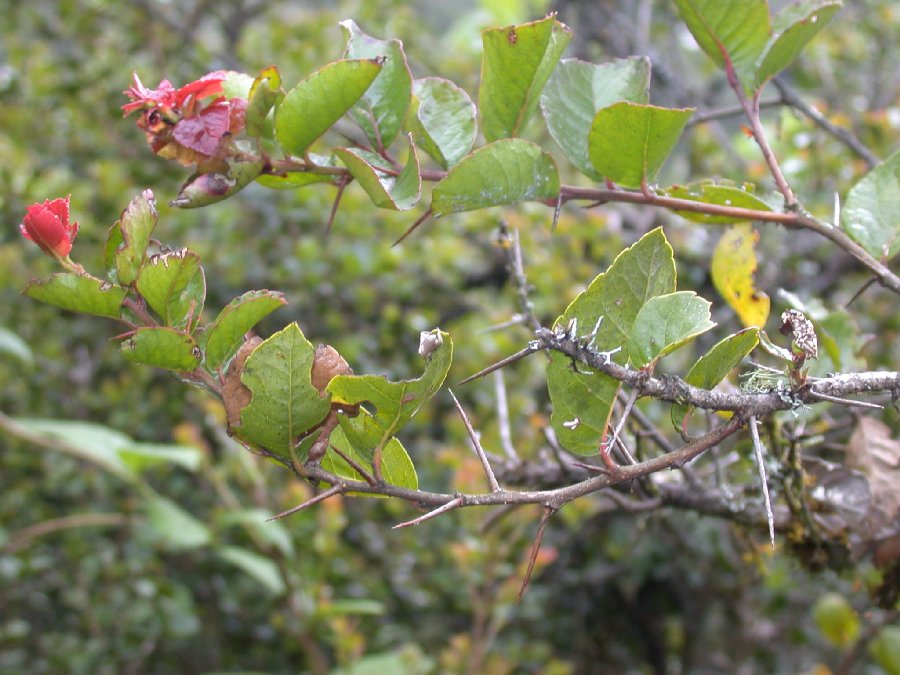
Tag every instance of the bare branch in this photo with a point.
(503, 417)
(502, 363)
(845, 136)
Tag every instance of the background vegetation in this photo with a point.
(90, 582)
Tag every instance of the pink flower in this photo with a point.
(48, 226)
(177, 125)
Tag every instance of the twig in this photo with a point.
(535, 549)
(751, 109)
(758, 452)
(22, 538)
(729, 111)
(321, 497)
(516, 267)
(449, 506)
(845, 136)
(485, 464)
(629, 404)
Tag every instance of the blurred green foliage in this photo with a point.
(125, 588)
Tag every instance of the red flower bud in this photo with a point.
(48, 226)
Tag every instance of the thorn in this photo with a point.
(449, 506)
(331, 492)
(486, 465)
(556, 211)
(337, 200)
(535, 549)
(521, 354)
(416, 224)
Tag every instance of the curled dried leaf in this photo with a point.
(235, 395)
(795, 323)
(327, 364)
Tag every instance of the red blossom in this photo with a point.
(177, 125)
(48, 226)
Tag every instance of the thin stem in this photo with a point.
(503, 417)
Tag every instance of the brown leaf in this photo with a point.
(235, 395)
(873, 451)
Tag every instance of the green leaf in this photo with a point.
(836, 619)
(382, 109)
(265, 93)
(714, 366)
(78, 293)
(582, 402)
(721, 195)
(734, 29)
(517, 62)
(226, 334)
(502, 172)
(12, 345)
(136, 225)
(396, 466)
(871, 215)
(732, 270)
(140, 456)
(262, 569)
(173, 285)
(114, 240)
(792, 29)
(665, 323)
(173, 527)
(256, 519)
(399, 193)
(163, 348)
(90, 442)
(629, 142)
(442, 120)
(284, 402)
(395, 403)
(317, 102)
(578, 89)
(885, 649)
(209, 188)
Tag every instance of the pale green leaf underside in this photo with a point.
(665, 323)
(871, 214)
(503, 172)
(578, 89)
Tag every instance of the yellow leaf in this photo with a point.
(733, 267)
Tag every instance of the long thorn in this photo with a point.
(449, 506)
(485, 464)
(535, 549)
(502, 363)
(758, 452)
(354, 465)
(337, 200)
(321, 497)
(413, 227)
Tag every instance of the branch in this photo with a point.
(845, 136)
(675, 390)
